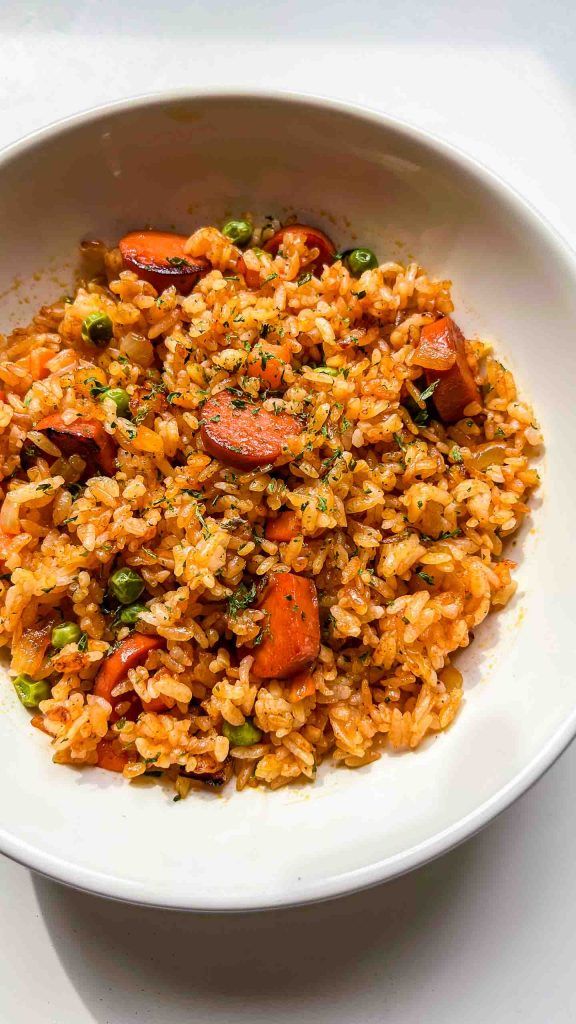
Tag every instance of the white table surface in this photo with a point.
(485, 933)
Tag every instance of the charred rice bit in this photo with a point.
(401, 521)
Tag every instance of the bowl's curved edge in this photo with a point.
(361, 878)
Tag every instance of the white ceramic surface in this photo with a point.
(185, 160)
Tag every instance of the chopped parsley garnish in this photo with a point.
(304, 278)
(177, 261)
(455, 454)
(426, 577)
(242, 598)
(429, 391)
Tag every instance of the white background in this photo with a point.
(485, 933)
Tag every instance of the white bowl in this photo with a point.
(191, 159)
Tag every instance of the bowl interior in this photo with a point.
(183, 162)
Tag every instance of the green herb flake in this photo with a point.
(429, 391)
(242, 598)
(426, 577)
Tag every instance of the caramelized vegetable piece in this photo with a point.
(292, 628)
(456, 387)
(84, 437)
(437, 346)
(315, 239)
(159, 258)
(111, 756)
(285, 527)
(301, 686)
(132, 652)
(29, 650)
(241, 433)
(493, 453)
(251, 274)
(268, 362)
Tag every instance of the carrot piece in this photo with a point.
(132, 652)
(292, 629)
(159, 257)
(154, 704)
(84, 437)
(285, 527)
(35, 362)
(315, 239)
(268, 362)
(38, 359)
(443, 355)
(251, 274)
(241, 433)
(301, 686)
(111, 756)
(437, 346)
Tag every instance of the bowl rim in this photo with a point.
(113, 887)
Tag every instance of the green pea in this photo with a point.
(121, 399)
(360, 260)
(242, 735)
(97, 328)
(65, 633)
(31, 692)
(238, 231)
(131, 613)
(126, 585)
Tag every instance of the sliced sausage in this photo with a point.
(444, 358)
(292, 628)
(315, 239)
(242, 434)
(132, 652)
(159, 258)
(285, 527)
(84, 437)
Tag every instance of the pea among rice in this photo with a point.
(260, 498)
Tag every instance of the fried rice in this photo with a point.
(399, 519)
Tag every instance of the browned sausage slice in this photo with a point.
(241, 433)
(315, 239)
(84, 437)
(159, 258)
